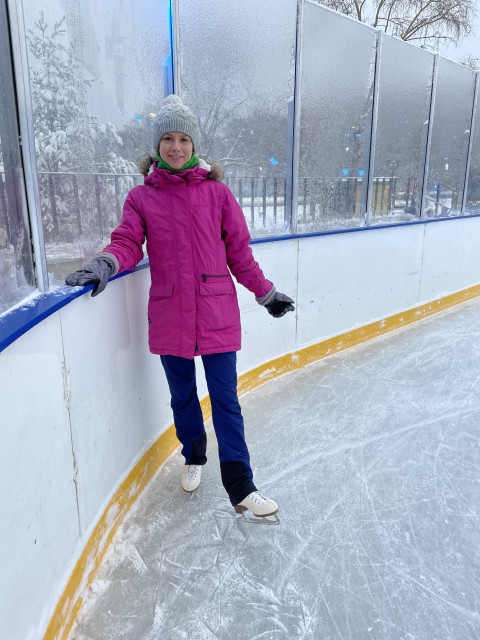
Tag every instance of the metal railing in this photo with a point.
(79, 204)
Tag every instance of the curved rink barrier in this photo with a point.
(86, 410)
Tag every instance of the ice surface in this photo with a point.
(373, 456)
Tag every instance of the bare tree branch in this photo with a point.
(427, 22)
(387, 23)
(416, 22)
(471, 62)
(379, 8)
(359, 10)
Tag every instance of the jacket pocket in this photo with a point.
(159, 291)
(160, 314)
(222, 286)
(217, 306)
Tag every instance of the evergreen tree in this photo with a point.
(69, 139)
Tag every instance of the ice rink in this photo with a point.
(373, 456)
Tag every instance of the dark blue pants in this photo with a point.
(221, 376)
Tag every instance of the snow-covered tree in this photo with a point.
(59, 91)
(68, 138)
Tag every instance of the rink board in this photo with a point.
(94, 423)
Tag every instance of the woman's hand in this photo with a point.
(96, 272)
(279, 305)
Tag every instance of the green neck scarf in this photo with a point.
(161, 164)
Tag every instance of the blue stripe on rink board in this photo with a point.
(23, 317)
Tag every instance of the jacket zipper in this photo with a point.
(205, 276)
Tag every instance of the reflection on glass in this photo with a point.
(240, 93)
(96, 77)
(404, 93)
(450, 138)
(336, 104)
(16, 264)
(472, 201)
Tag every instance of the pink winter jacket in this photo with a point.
(196, 236)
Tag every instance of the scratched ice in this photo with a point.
(373, 455)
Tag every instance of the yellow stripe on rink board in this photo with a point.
(87, 566)
(299, 359)
(130, 489)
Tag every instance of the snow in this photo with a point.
(29, 301)
(373, 455)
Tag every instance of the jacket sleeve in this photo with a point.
(128, 238)
(240, 258)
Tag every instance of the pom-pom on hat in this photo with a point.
(175, 116)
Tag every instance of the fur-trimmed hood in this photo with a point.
(215, 169)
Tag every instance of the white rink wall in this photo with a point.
(83, 399)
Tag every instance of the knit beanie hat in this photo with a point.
(175, 116)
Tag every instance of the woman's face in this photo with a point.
(175, 149)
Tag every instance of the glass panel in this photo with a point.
(96, 74)
(450, 135)
(240, 92)
(472, 204)
(338, 64)
(404, 93)
(16, 263)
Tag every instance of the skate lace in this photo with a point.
(192, 472)
(258, 498)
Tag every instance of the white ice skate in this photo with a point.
(261, 508)
(191, 476)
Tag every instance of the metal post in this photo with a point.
(429, 136)
(27, 134)
(99, 205)
(264, 200)
(353, 197)
(384, 200)
(77, 202)
(117, 198)
(167, 67)
(3, 203)
(175, 43)
(373, 130)
(293, 143)
(53, 204)
(275, 196)
(407, 197)
(312, 199)
(470, 141)
(252, 201)
(287, 205)
(305, 189)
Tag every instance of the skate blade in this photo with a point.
(258, 519)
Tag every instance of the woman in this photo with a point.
(196, 237)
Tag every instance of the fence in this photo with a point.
(82, 205)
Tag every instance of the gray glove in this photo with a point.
(96, 272)
(280, 305)
(277, 304)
